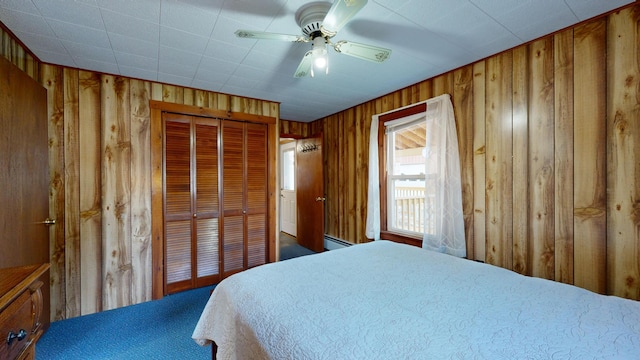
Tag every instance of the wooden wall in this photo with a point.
(549, 136)
(100, 163)
(100, 171)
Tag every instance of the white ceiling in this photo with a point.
(192, 43)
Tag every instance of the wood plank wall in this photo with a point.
(100, 156)
(100, 166)
(549, 136)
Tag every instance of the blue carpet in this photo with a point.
(293, 251)
(153, 330)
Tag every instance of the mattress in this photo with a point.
(383, 300)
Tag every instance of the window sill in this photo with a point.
(403, 239)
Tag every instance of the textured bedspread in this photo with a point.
(383, 300)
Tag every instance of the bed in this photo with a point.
(383, 300)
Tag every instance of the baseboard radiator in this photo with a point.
(333, 243)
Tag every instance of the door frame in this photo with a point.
(157, 217)
(286, 143)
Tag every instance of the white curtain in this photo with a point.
(373, 194)
(442, 140)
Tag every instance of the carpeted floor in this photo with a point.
(153, 330)
(290, 249)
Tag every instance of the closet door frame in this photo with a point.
(157, 218)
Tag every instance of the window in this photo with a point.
(404, 175)
(412, 147)
(406, 179)
(289, 168)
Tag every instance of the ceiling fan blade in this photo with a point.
(339, 14)
(362, 51)
(250, 34)
(305, 65)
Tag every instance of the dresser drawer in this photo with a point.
(19, 315)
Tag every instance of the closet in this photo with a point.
(215, 198)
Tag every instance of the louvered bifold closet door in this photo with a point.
(191, 202)
(256, 194)
(177, 205)
(207, 202)
(233, 164)
(245, 176)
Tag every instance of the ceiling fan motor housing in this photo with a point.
(310, 16)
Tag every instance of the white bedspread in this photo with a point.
(383, 300)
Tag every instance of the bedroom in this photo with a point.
(579, 235)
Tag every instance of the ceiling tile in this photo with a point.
(187, 18)
(213, 76)
(130, 26)
(137, 61)
(82, 50)
(138, 73)
(174, 79)
(19, 5)
(133, 46)
(182, 40)
(79, 34)
(41, 43)
(217, 66)
(95, 65)
(258, 14)
(178, 56)
(225, 51)
(23, 22)
(586, 9)
(79, 14)
(63, 59)
(145, 10)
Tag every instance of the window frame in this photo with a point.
(382, 166)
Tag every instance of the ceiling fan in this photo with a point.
(321, 21)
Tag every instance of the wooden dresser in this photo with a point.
(20, 311)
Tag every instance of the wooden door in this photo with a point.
(288, 209)
(24, 174)
(244, 179)
(191, 202)
(310, 193)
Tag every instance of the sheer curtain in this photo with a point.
(444, 162)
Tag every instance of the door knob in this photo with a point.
(49, 222)
(320, 198)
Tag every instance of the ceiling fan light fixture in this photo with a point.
(319, 22)
(320, 55)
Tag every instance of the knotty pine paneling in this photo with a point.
(564, 145)
(499, 160)
(548, 135)
(520, 158)
(590, 165)
(294, 129)
(623, 147)
(100, 170)
(13, 51)
(53, 80)
(90, 193)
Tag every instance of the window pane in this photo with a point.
(406, 182)
(288, 170)
(407, 208)
(409, 150)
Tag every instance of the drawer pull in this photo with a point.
(20, 335)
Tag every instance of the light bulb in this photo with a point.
(320, 62)
(320, 57)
